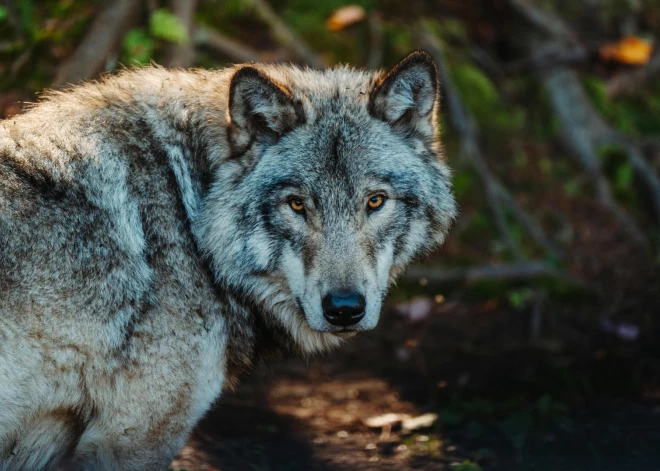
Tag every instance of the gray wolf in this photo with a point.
(162, 232)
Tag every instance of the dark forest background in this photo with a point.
(529, 342)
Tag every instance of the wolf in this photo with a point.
(162, 232)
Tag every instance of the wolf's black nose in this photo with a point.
(343, 308)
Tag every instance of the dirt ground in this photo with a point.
(574, 401)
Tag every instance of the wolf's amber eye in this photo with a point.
(296, 204)
(375, 202)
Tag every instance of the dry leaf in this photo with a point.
(416, 310)
(345, 16)
(630, 50)
(422, 421)
(385, 420)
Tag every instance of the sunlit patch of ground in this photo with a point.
(314, 418)
(577, 401)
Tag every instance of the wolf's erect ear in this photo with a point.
(407, 96)
(259, 109)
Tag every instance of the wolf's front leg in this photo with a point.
(113, 443)
(136, 437)
(144, 416)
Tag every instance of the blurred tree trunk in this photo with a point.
(182, 55)
(102, 39)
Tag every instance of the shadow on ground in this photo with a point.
(574, 402)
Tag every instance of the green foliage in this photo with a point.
(478, 92)
(235, 7)
(572, 186)
(477, 410)
(309, 23)
(164, 25)
(477, 227)
(448, 29)
(399, 40)
(467, 465)
(451, 416)
(520, 297)
(27, 16)
(454, 29)
(624, 177)
(517, 428)
(550, 411)
(516, 419)
(35, 37)
(520, 160)
(636, 114)
(619, 170)
(464, 184)
(482, 98)
(545, 165)
(475, 429)
(138, 47)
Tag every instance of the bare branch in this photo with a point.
(21, 62)
(102, 39)
(547, 57)
(583, 129)
(284, 35)
(500, 221)
(376, 41)
(497, 195)
(486, 63)
(544, 20)
(434, 276)
(627, 82)
(643, 169)
(220, 44)
(182, 55)
(536, 319)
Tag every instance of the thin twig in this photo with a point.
(536, 320)
(102, 38)
(548, 57)
(434, 276)
(283, 35)
(544, 20)
(493, 69)
(583, 129)
(643, 169)
(21, 62)
(626, 83)
(218, 43)
(580, 126)
(376, 41)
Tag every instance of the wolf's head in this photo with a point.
(334, 185)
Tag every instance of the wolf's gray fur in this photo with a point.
(149, 253)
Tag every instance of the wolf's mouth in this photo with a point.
(345, 333)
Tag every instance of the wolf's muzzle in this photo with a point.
(343, 308)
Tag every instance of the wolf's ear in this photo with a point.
(259, 109)
(407, 97)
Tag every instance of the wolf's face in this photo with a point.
(335, 186)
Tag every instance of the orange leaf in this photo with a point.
(345, 16)
(629, 50)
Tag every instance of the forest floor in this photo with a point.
(526, 374)
(569, 403)
(571, 383)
